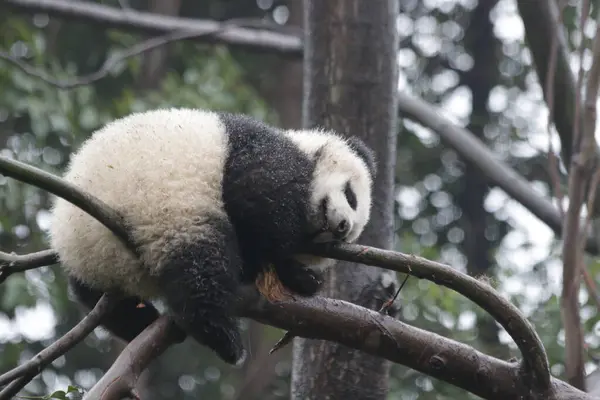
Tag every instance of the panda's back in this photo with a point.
(162, 170)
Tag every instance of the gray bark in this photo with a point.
(350, 85)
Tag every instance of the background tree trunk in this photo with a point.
(154, 63)
(350, 85)
(477, 246)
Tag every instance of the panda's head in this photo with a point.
(341, 187)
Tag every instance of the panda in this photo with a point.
(209, 199)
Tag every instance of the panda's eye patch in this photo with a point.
(350, 196)
(323, 207)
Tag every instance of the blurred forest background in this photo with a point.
(467, 56)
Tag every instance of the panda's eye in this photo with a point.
(350, 196)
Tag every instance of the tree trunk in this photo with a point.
(154, 62)
(350, 85)
(482, 45)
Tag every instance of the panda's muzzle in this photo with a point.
(332, 234)
(342, 229)
(334, 227)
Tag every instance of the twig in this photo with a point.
(257, 39)
(591, 286)
(24, 373)
(121, 378)
(284, 341)
(11, 263)
(385, 307)
(118, 57)
(483, 295)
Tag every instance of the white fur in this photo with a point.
(337, 164)
(160, 149)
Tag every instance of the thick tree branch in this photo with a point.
(477, 291)
(23, 374)
(386, 337)
(210, 31)
(483, 295)
(473, 150)
(121, 378)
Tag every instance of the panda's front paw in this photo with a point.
(299, 279)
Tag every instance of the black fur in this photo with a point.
(350, 196)
(298, 278)
(266, 191)
(364, 152)
(199, 281)
(126, 320)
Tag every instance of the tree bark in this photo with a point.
(350, 85)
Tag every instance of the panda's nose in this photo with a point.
(341, 231)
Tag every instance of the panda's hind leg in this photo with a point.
(199, 279)
(127, 319)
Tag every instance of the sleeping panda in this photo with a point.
(210, 198)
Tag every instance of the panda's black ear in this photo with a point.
(364, 152)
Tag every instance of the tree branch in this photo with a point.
(473, 150)
(503, 311)
(386, 337)
(121, 56)
(23, 374)
(11, 263)
(483, 295)
(59, 187)
(210, 31)
(121, 378)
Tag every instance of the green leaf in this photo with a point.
(59, 394)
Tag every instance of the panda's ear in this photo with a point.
(364, 152)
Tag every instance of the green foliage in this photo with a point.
(72, 393)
